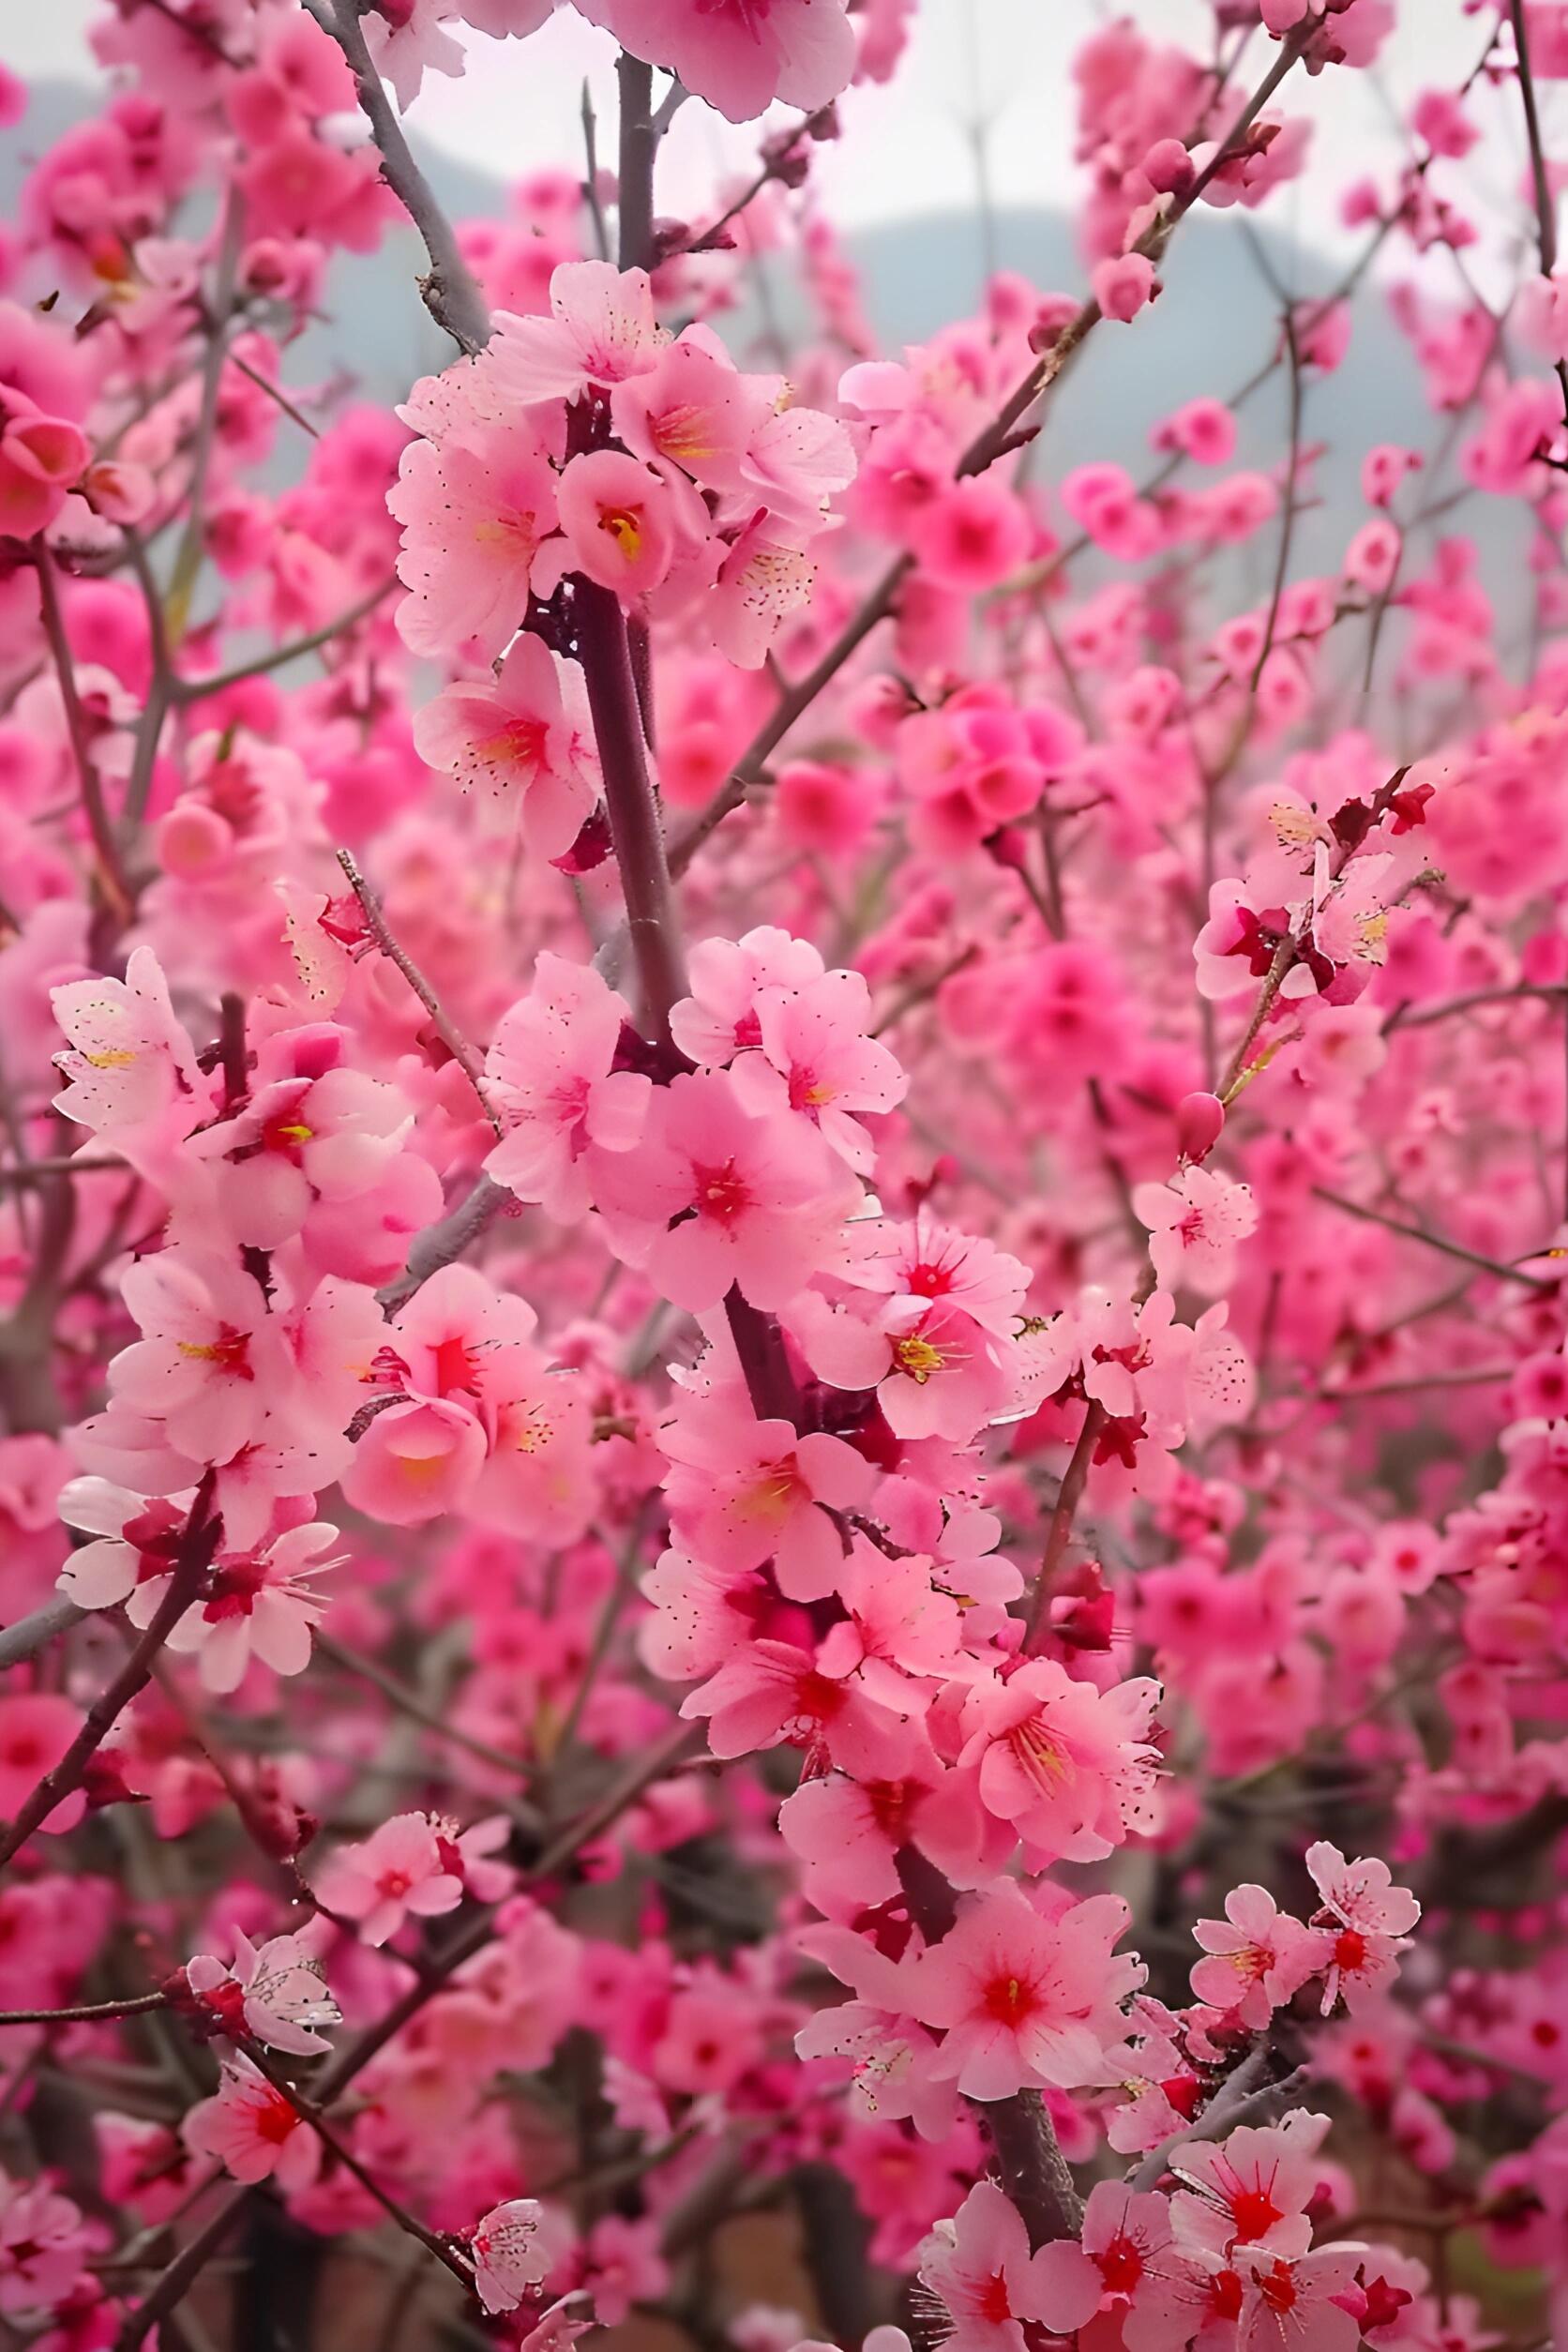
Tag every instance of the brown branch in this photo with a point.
(197, 1546)
(84, 2012)
(468, 1060)
(99, 825)
(1060, 1531)
(451, 292)
(198, 689)
(1497, 1266)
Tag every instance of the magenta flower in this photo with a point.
(1260, 1956)
(525, 740)
(739, 58)
(1024, 2000)
(399, 1869)
(712, 1198)
(253, 2131)
(1068, 1765)
(275, 1991)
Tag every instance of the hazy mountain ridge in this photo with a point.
(1211, 330)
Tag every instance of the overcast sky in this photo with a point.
(911, 148)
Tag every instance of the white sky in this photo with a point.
(910, 150)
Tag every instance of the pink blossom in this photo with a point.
(620, 521)
(814, 1059)
(43, 2246)
(130, 1067)
(802, 52)
(741, 1494)
(210, 1363)
(1195, 1224)
(1361, 1926)
(1250, 2189)
(980, 2266)
(515, 2248)
(277, 1991)
(1123, 284)
(476, 509)
(1068, 1766)
(253, 2130)
(1024, 2001)
(1260, 1956)
(1125, 2231)
(551, 1069)
(601, 332)
(402, 1868)
(1299, 2305)
(722, 1016)
(714, 1198)
(526, 737)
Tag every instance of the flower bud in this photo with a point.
(1199, 1121)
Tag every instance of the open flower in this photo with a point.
(253, 2130)
(277, 1991)
(402, 1868)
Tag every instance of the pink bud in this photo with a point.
(1168, 167)
(1124, 285)
(1199, 1123)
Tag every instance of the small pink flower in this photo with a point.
(1124, 2234)
(1123, 284)
(1360, 1928)
(980, 2266)
(1260, 1956)
(1250, 2189)
(130, 1067)
(1070, 1767)
(277, 1991)
(1024, 2001)
(601, 331)
(474, 508)
(253, 2131)
(400, 1868)
(43, 2246)
(515, 2248)
(527, 738)
(814, 1059)
(620, 521)
(1306, 2305)
(1196, 1223)
(712, 1198)
(211, 1363)
(551, 1069)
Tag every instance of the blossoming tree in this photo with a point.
(786, 1466)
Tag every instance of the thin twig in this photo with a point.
(196, 1548)
(451, 292)
(468, 1060)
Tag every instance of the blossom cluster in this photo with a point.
(783, 1347)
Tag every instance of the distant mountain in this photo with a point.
(1213, 328)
